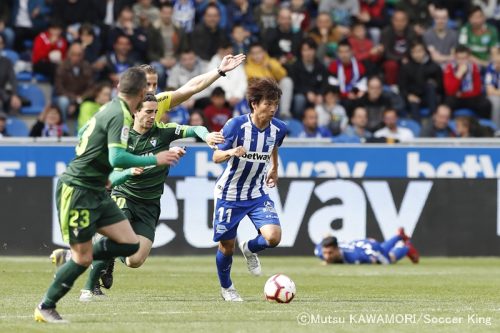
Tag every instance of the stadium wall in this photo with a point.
(447, 217)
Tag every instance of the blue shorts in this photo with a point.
(228, 215)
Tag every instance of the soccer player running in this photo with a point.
(251, 142)
(137, 191)
(83, 204)
(367, 251)
(165, 101)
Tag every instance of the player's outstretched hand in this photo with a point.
(214, 138)
(167, 157)
(179, 150)
(238, 151)
(272, 178)
(136, 171)
(230, 62)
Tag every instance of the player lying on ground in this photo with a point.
(367, 251)
(251, 141)
(83, 203)
(167, 100)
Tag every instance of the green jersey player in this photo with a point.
(137, 191)
(83, 204)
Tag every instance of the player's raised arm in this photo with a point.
(200, 82)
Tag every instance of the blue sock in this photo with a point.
(224, 269)
(257, 244)
(390, 243)
(399, 251)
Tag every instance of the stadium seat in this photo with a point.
(23, 76)
(488, 123)
(410, 124)
(295, 127)
(40, 77)
(16, 127)
(463, 113)
(12, 55)
(453, 125)
(344, 138)
(33, 93)
(425, 112)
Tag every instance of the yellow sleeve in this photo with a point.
(164, 99)
(277, 69)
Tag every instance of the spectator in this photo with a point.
(491, 9)
(310, 126)
(74, 78)
(184, 15)
(240, 12)
(330, 113)
(170, 38)
(396, 39)
(439, 127)
(235, 82)
(188, 67)
(440, 40)
(90, 43)
(265, 16)
(282, 42)
(420, 81)
(462, 84)
(105, 14)
(196, 119)
(326, 35)
(3, 125)
(49, 123)
(469, 127)
(98, 96)
(118, 61)
(362, 47)
(49, 50)
(309, 78)
(201, 6)
(372, 14)
(217, 113)
(301, 18)
(492, 83)
(391, 130)
(418, 14)
(207, 35)
(145, 10)
(376, 102)
(341, 11)
(261, 65)
(480, 37)
(241, 39)
(28, 19)
(9, 100)
(6, 31)
(359, 121)
(347, 73)
(125, 26)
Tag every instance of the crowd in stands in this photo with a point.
(350, 70)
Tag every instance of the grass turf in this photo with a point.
(182, 293)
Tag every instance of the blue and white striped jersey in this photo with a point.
(243, 178)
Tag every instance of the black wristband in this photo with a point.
(221, 73)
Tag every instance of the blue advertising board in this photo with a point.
(295, 162)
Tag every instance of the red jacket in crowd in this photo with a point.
(348, 84)
(453, 85)
(42, 47)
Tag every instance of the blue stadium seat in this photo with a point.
(24, 76)
(344, 138)
(488, 123)
(453, 126)
(40, 77)
(12, 55)
(33, 93)
(16, 127)
(410, 124)
(464, 113)
(425, 112)
(295, 127)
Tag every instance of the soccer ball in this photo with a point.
(279, 288)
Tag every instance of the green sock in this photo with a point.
(95, 273)
(105, 248)
(63, 281)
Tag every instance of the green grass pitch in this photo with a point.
(181, 294)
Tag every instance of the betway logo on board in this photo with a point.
(473, 166)
(293, 169)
